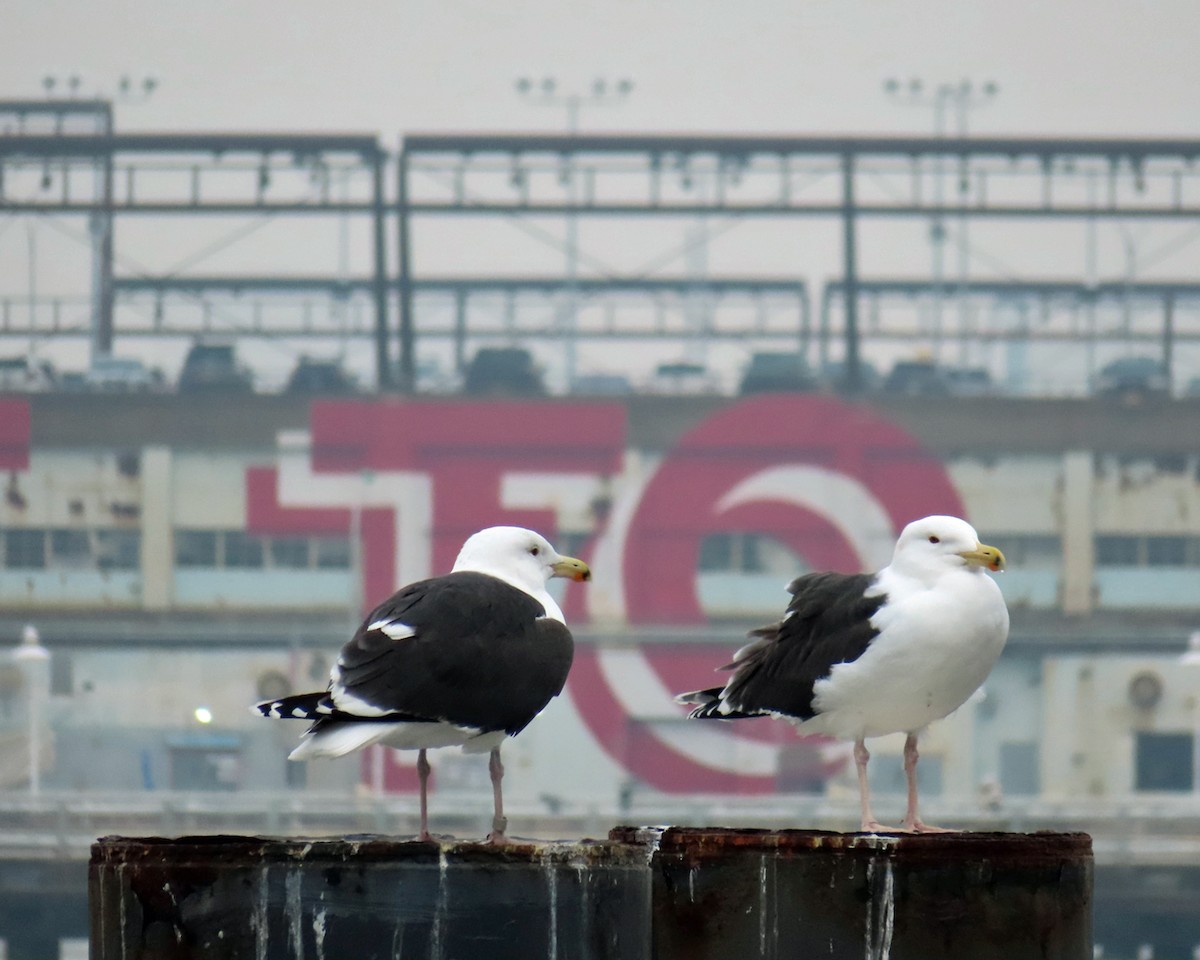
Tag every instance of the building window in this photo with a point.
(118, 549)
(1166, 551)
(887, 774)
(737, 552)
(195, 548)
(25, 549)
(716, 551)
(332, 553)
(238, 550)
(243, 550)
(1148, 551)
(290, 553)
(1163, 761)
(70, 548)
(1117, 551)
(1020, 768)
(1029, 551)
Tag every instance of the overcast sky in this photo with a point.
(1068, 66)
(1071, 67)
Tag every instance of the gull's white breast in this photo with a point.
(935, 647)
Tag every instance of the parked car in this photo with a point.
(917, 378)
(776, 373)
(324, 377)
(25, 375)
(682, 377)
(212, 367)
(121, 375)
(834, 374)
(1133, 380)
(509, 371)
(969, 381)
(602, 385)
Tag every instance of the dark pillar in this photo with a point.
(645, 894)
(379, 280)
(102, 252)
(408, 361)
(460, 331)
(1168, 341)
(853, 383)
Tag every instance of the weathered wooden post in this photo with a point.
(800, 893)
(643, 894)
(245, 897)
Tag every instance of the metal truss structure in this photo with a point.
(62, 158)
(106, 177)
(853, 181)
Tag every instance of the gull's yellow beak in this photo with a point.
(572, 569)
(984, 556)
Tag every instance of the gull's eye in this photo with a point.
(535, 550)
(934, 540)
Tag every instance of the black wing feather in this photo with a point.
(483, 654)
(828, 623)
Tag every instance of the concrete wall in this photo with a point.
(1072, 497)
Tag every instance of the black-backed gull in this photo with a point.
(864, 655)
(464, 659)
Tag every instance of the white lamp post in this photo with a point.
(33, 660)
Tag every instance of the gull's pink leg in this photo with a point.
(423, 774)
(912, 821)
(869, 823)
(499, 821)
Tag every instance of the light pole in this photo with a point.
(546, 93)
(101, 220)
(945, 99)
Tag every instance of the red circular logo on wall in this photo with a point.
(833, 481)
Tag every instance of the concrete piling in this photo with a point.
(642, 894)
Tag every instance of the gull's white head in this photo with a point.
(933, 545)
(520, 557)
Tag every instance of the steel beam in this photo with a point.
(408, 345)
(379, 282)
(853, 382)
(1133, 148)
(338, 286)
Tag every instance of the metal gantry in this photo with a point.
(58, 159)
(180, 177)
(850, 181)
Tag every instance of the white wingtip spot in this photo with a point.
(347, 702)
(394, 629)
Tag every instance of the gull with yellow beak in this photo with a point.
(865, 655)
(466, 659)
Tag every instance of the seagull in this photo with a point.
(466, 659)
(865, 655)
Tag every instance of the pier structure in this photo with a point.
(663, 893)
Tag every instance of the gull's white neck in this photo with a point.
(537, 589)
